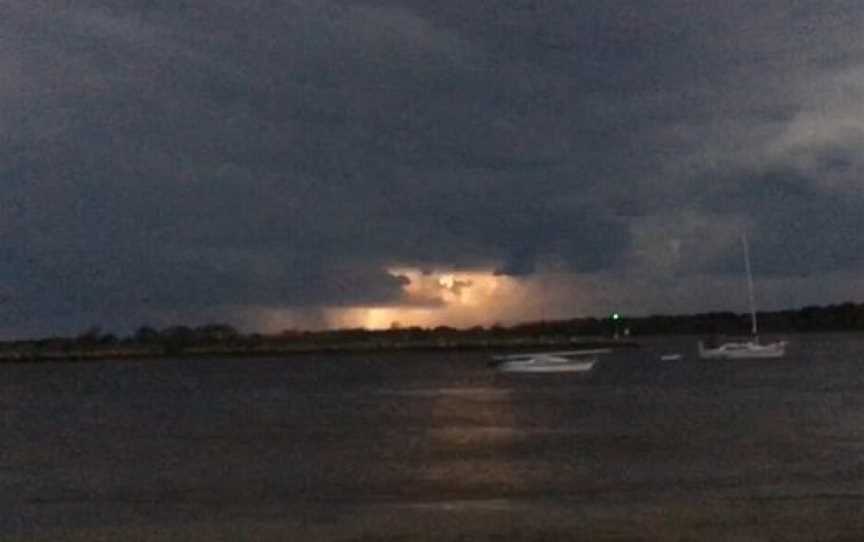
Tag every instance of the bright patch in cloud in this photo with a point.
(433, 298)
(462, 298)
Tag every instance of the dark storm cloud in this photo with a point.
(797, 228)
(198, 154)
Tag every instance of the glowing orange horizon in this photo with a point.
(444, 297)
(454, 298)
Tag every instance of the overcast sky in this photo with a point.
(301, 163)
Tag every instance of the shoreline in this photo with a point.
(36, 354)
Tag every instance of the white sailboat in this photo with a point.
(567, 361)
(748, 349)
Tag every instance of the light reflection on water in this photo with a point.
(349, 447)
(470, 434)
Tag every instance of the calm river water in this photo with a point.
(436, 446)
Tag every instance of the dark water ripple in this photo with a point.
(383, 447)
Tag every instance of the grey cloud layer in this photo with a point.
(198, 154)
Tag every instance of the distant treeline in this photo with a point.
(225, 339)
(842, 317)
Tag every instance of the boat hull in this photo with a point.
(744, 350)
(534, 366)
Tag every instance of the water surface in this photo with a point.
(435, 446)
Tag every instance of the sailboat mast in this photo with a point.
(754, 329)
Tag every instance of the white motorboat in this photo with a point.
(746, 349)
(569, 361)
